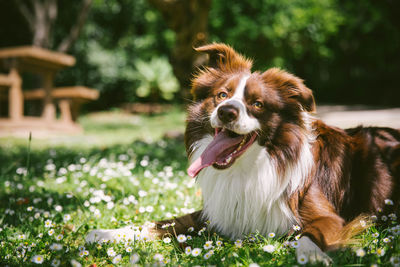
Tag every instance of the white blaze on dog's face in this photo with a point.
(232, 113)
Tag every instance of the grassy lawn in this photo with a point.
(122, 172)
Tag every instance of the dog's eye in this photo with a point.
(258, 105)
(222, 95)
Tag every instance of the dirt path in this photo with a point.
(351, 116)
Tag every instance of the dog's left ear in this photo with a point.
(225, 58)
(290, 87)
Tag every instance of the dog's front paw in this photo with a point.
(308, 250)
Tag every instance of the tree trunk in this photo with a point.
(189, 20)
(41, 15)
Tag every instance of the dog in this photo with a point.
(264, 163)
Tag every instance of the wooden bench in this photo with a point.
(69, 99)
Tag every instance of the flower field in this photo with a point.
(51, 196)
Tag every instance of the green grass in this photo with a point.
(122, 172)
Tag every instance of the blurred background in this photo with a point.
(140, 51)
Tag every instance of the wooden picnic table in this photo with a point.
(46, 64)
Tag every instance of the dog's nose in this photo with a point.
(228, 113)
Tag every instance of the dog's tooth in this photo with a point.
(229, 159)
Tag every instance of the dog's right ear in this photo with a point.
(225, 58)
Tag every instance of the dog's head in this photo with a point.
(239, 107)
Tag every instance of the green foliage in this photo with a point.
(155, 79)
(276, 33)
(345, 50)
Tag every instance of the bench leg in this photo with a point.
(49, 109)
(65, 109)
(16, 98)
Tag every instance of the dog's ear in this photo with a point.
(290, 87)
(225, 58)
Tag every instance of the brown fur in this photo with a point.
(354, 171)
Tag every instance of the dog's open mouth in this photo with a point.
(222, 152)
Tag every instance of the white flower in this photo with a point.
(158, 257)
(302, 259)
(384, 218)
(67, 217)
(38, 259)
(238, 243)
(58, 208)
(181, 238)
(128, 249)
(59, 237)
(48, 223)
(117, 259)
(55, 263)
(380, 252)
(75, 263)
(56, 246)
(208, 254)
(83, 253)
(296, 227)
(110, 205)
(190, 229)
(386, 240)
(395, 261)
(29, 208)
(188, 250)
(360, 252)
(196, 252)
(254, 265)
(134, 259)
(389, 202)
(111, 252)
(375, 235)
(142, 193)
(149, 209)
(294, 244)
(271, 235)
(218, 243)
(21, 236)
(167, 240)
(51, 232)
(208, 245)
(269, 248)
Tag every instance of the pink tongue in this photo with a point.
(210, 155)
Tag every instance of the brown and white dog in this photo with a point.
(265, 164)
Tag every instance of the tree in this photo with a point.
(189, 20)
(41, 16)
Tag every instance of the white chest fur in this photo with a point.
(250, 196)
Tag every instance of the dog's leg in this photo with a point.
(148, 231)
(322, 226)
